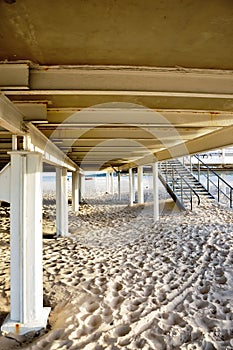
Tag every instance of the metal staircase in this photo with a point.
(181, 184)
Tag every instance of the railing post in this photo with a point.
(181, 189)
(191, 200)
(173, 180)
(231, 198)
(208, 180)
(218, 190)
(199, 170)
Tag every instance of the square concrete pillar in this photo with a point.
(61, 202)
(75, 191)
(26, 312)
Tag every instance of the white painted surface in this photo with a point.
(140, 185)
(131, 190)
(107, 182)
(119, 185)
(5, 183)
(26, 245)
(61, 202)
(75, 191)
(155, 191)
(112, 183)
(83, 185)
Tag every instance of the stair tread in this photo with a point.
(179, 171)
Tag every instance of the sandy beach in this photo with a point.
(121, 281)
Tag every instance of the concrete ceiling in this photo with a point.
(119, 83)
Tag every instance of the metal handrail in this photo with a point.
(209, 170)
(192, 191)
(175, 181)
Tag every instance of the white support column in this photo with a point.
(27, 312)
(112, 183)
(80, 189)
(131, 189)
(119, 185)
(223, 156)
(107, 182)
(155, 191)
(14, 142)
(140, 185)
(133, 184)
(61, 202)
(75, 191)
(82, 186)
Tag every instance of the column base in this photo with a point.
(10, 326)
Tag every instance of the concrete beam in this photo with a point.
(33, 112)
(51, 153)
(14, 76)
(141, 117)
(131, 78)
(126, 93)
(218, 139)
(10, 118)
(151, 99)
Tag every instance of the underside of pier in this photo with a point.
(102, 85)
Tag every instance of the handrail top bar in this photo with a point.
(226, 183)
(182, 177)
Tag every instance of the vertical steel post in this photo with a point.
(199, 170)
(181, 189)
(173, 180)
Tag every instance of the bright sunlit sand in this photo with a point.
(121, 281)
